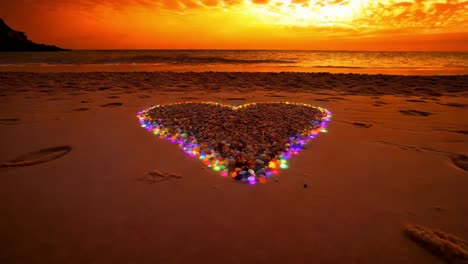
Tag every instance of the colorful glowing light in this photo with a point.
(216, 162)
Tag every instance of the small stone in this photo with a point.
(175, 175)
(259, 162)
(251, 172)
(260, 172)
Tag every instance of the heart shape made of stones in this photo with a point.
(250, 142)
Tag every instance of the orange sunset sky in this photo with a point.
(437, 25)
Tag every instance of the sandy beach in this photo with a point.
(395, 154)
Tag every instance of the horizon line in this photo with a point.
(314, 50)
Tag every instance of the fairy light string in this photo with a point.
(219, 163)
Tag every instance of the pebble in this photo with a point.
(260, 172)
(245, 141)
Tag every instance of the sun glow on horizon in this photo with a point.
(310, 13)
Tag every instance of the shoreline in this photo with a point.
(427, 71)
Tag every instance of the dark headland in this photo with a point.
(11, 40)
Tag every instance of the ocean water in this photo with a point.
(424, 63)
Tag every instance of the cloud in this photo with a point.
(357, 14)
(367, 15)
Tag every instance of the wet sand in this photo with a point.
(395, 154)
(231, 68)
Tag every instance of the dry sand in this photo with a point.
(395, 154)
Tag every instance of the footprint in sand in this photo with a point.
(321, 93)
(156, 176)
(37, 157)
(80, 109)
(415, 101)
(415, 113)
(460, 161)
(454, 131)
(9, 121)
(235, 99)
(336, 98)
(276, 95)
(112, 105)
(454, 105)
(379, 103)
(439, 243)
(360, 124)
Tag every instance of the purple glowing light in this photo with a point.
(188, 143)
